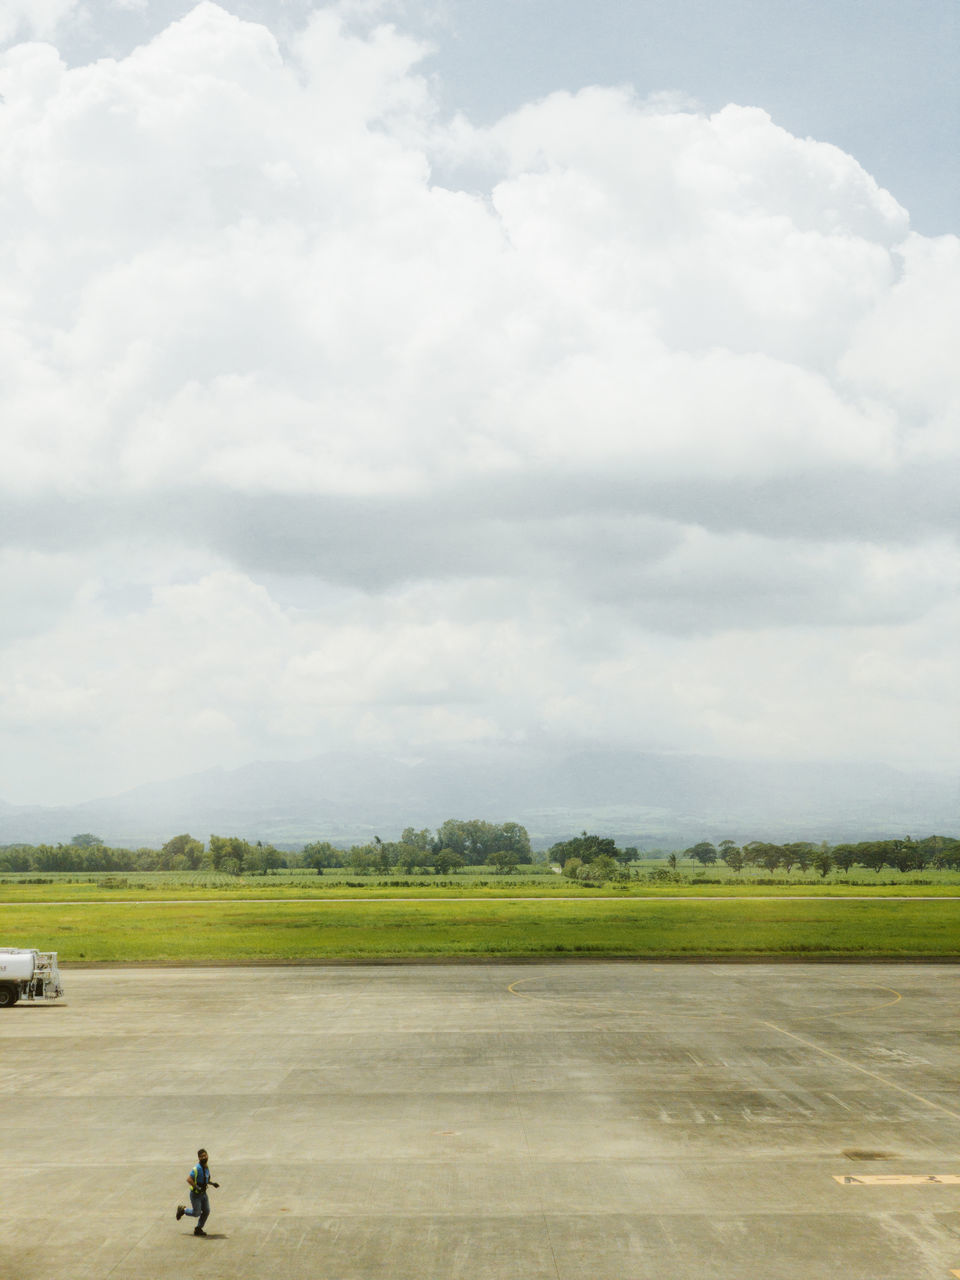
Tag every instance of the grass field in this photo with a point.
(234, 931)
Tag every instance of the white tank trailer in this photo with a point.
(28, 975)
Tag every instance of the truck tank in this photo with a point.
(16, 964)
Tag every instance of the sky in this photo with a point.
(405, 376)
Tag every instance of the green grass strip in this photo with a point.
(126, 933)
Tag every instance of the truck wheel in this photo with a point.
(8, 996)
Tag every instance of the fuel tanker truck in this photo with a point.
(28, 975)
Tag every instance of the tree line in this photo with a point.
(906, 854)
(591, 857)
(455, 844)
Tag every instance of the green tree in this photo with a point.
(474, 839)
(320, 854)
(452, 835)
(261, 859)
(382, 856)
(844, 856)
(585, 846)
(876, 854)
(86, 840)
(409, 858)
(446, 861)
(232, 848)
(362, 859)
(732, 855)
(799, 852)
(822, 860)
(772, 857)
(59, 858)
(601, 869)
(184, 847)
(761, 854)
(505, 861)
(704, 852)
(942, 851)
(254, 863)
(422, 840)
(514, 838)
(914, 855)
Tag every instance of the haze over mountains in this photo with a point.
(640, 798)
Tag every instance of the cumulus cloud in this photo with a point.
(644, 432)
(34, 19)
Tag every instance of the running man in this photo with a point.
(198, 1179)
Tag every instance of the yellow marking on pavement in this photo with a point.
(586, 1002)
(874, 1075)
(590, 1005)
(897, 1179)
(861, 1008)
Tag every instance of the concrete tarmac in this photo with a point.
(497, 1122)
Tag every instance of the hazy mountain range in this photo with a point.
(641, 798)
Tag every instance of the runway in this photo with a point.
(498, 1122)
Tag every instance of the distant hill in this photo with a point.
(640, 798)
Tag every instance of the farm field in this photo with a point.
(476, 882)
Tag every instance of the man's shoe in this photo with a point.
(181, 1210)
(199, 1231)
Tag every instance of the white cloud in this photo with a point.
(34, 19)
(669, 402)
(904, 350)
